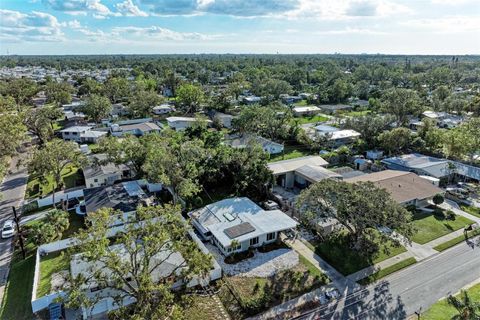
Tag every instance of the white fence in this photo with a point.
(60, 196)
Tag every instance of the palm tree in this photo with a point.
(466, 307)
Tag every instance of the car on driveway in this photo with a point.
(8, 229)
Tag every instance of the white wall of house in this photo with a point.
(179, 125)
(103, 180)
(71, 136)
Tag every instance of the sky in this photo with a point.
(239, 26)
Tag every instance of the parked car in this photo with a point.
(270, 205)
(332, 293)
(8, 229)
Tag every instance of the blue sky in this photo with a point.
(239, 26)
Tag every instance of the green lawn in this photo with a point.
(291, 152)
(430, 227)
(474, 211)
(50, 264)
(302, 103)
(16, 304)
(336, 251)
(354, 113)
(389, 270)
(71, 176)
(443, 311)
(446, 245)
(312, 119)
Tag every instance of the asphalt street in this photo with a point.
(411, 290)
(12, 190)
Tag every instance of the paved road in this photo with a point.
(410, 290)
(13, 191)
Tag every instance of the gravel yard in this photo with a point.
(261, 265)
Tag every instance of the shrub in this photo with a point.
(451, 215)
(30, 207)
(437, 212)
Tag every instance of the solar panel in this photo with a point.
(239, 230)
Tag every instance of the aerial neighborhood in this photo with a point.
(239, 186)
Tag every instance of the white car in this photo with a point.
(8, 229)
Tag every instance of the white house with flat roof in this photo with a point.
(305, 110)
(182, 123)
(337, 136)
(301, 172)
(246, 140)
(239, 220)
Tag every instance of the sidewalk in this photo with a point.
(381, 265)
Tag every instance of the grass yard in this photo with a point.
(430, 227)
(50, 264)
(291, 152)
(254, 295)
(337, 252)
(474, 211)
(16, 303)
(446, 245)
(71, 175)
(301, 103)
(203, 308)
(389, 270)
(443, 311)
(312, 119)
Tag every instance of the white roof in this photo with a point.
(306, 109)
(342, 134)
(93, 134)
(184, 119)
(220, 216)
(77, 129)
(290, 165)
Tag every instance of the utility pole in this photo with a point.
(18, 230)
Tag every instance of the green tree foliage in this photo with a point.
(52, 158)
(175, 163)
(97, 107)
(401, 103)
(272, 122)
(22, 90)
(40, 121)
(117, 89)
(142, 102)
(395, 140)
(89, 86)
(58, 92)
(130, 151)
(467, 308)
(189, 97)
(51, 228)
(370, 127)
(360, 208)
(148, 240)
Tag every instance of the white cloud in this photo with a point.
(80, 7)
(35, 26)
(446, 25)
(158, 33)
(128, 8)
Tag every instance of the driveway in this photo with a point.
(13, 192)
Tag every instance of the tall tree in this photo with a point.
(22, 90)
(40, 121)
(395, 140)
(189, 97)
(134, 267)
(58, 92)
(130, 151)
(142, 103)
(176, 164)
(50, 160)
(116, 89)
(360, 208)
(97, 107)
(401, 103)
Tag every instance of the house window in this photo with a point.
(271, 236)
(95, 180)
(254, 241)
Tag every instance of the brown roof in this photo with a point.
(403, 186)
